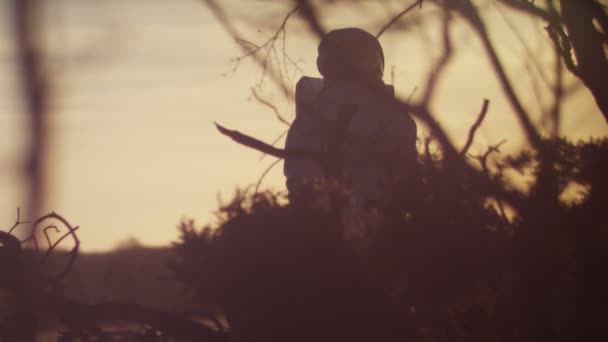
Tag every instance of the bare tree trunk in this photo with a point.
(35, 94)
(588, 45)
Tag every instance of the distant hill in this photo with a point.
(135, 274)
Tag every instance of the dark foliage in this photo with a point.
(449, 262)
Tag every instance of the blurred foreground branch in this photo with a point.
(35, 90)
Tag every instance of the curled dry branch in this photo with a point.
(42, 225)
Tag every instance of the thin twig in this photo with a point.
(18, 222)
(530, 56)
(245, 46)
(441, 64)
(269, 105)
(270, 40)
(270, 167)
(480, 117)
(470, 13)
(275, 142)
(398, 16)
(503, 213)
(409, 97)
(483, 158)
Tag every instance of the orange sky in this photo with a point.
(138, 85)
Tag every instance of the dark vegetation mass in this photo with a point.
(450, 262)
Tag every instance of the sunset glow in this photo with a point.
(138, 84)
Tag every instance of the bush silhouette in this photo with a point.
(445, 264)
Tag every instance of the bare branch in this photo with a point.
(245, 46)
(35, 90)
(530, 8)
(270, 167)
(558, 94)
(398, 16)
(18, 222)
(268, 44)
(529, 54)
(307, 11)
(469, 12)
(440, 66)
(263, 147)
(562, 42)
(276, 141)
(269, 105)
(483, 158)
(480, 117)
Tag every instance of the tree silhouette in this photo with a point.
(579, 30)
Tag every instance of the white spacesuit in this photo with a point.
(365, 141)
